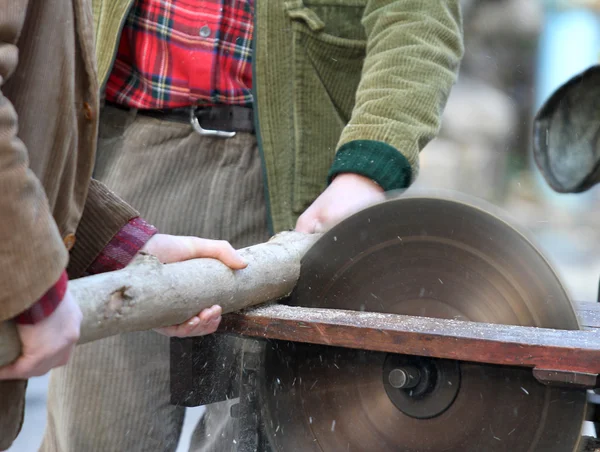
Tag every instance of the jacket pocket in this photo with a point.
(326, 71)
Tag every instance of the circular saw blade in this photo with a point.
(432, 256)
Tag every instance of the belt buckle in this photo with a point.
(207, 132)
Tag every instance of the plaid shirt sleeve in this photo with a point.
(116, 255)
(121, 250)
(45, 305)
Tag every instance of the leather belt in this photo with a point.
(220, 120)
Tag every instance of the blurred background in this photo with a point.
(517, 53)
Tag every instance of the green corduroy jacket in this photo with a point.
(339, 86)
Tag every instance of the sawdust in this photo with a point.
(590, 444)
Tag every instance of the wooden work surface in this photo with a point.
(556, 356)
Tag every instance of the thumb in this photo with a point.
(10, 371)
(307, 224)
(216, 249)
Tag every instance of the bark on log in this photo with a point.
(148, 294)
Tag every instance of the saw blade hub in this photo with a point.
(404, 377)
(421, 387)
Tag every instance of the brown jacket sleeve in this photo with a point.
(32, 253)
(103, 217)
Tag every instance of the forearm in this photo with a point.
(104, 216)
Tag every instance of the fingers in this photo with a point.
(14, 371)
(47, 344)
(216, 249)
(194, 327)
(207, 322)
(170, 248)
(211, 313)
(35, 365)
(307, 223)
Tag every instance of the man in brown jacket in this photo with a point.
(56, 222)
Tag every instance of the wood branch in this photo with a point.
(148, 294)
(557, 356)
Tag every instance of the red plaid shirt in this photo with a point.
(176, 53)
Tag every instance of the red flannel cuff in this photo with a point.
(46, 305)
(123, 247)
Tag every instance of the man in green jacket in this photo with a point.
(253, 119)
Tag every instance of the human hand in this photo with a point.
(170, 249)
(174, 248)
(202, 324)
(347, 194)
(47, 344)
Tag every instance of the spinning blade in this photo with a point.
(435, 257)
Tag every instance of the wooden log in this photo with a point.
(557, 356)
(148, 294)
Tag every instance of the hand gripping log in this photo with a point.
(148, 294)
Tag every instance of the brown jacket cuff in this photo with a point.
(104, 215)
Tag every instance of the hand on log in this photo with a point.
(148, 294)
(170, 249)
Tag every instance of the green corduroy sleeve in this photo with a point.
(414, 49)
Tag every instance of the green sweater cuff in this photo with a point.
(373, 159)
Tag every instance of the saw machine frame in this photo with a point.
(556, 357)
